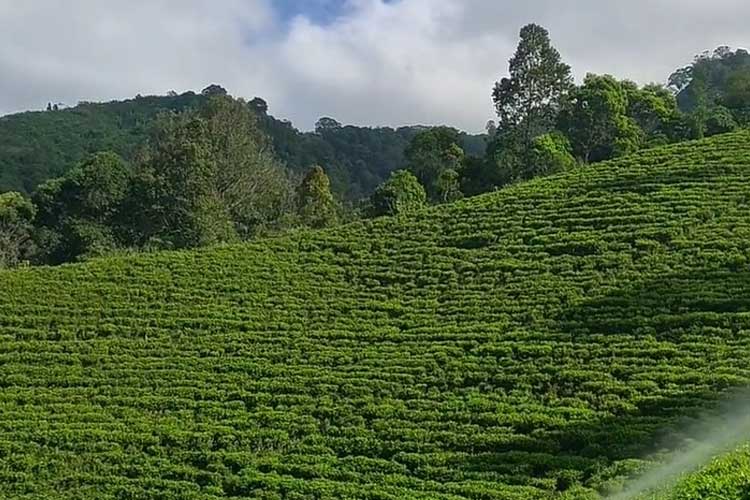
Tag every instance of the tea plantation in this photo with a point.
(539, 342)
(726, 477)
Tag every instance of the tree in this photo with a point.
(175, 191)
(259, 105)
(400, 194)
(551, 154)
(709, 79)
(719, 120)
(490, 128)
(209, 176)
(81, 214)
(595, 120)
(529, 99)
(315, 204)
(737, 95)
(653, 108)
(214, 90)
(252, 186)
(16, 227)
(326, 124)
(448, 185)
(435, 157)
(482, 174)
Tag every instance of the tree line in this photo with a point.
(214, 169)
(205, 176)
(547, 124)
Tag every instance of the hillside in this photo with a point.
(37, 146)
(724, 477)
(534, 342)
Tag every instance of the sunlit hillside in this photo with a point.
(538, 341)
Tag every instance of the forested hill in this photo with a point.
(37, 146)
(538, 342)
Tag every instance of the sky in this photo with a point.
(364, 62)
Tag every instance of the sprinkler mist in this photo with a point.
(724, 430)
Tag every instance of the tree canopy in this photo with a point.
(400, 194)
(82, 213)
(595, 120)
(436, 158)
(315, 203)
(530, 97)
(16, 229)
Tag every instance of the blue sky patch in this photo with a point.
(321, 12)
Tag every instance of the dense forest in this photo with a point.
(37, 146)
(182, 171)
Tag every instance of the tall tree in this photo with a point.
(16, 227)
(252, 186)
(737, 95)
(326, 124)
(529, 99)
(315, 203)
(176, 192)
(209, 176)
(214, 90)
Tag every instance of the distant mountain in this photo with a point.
(36, 146)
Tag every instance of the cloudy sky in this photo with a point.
(371, 62)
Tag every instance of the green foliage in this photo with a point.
(719, 121)
(737, 95)
(209, 176)
(551, 154)
(529, 99)
(654, 109)
(596, 121)
(176, 191)
(38, 146)
(315, 204)
(16, 217)
(533, 343)
(214, 90)
(401, 194)
(251, 184)
(506, 161)
(527, 103)
(436, 158)
(718, 78)
(448, 183)
(81, 214)
(357, 159)
(482, 174)
(726, 477)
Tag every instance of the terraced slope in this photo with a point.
(530, 343)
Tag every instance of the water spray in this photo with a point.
(724, 430)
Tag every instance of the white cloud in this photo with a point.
(412, 61)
